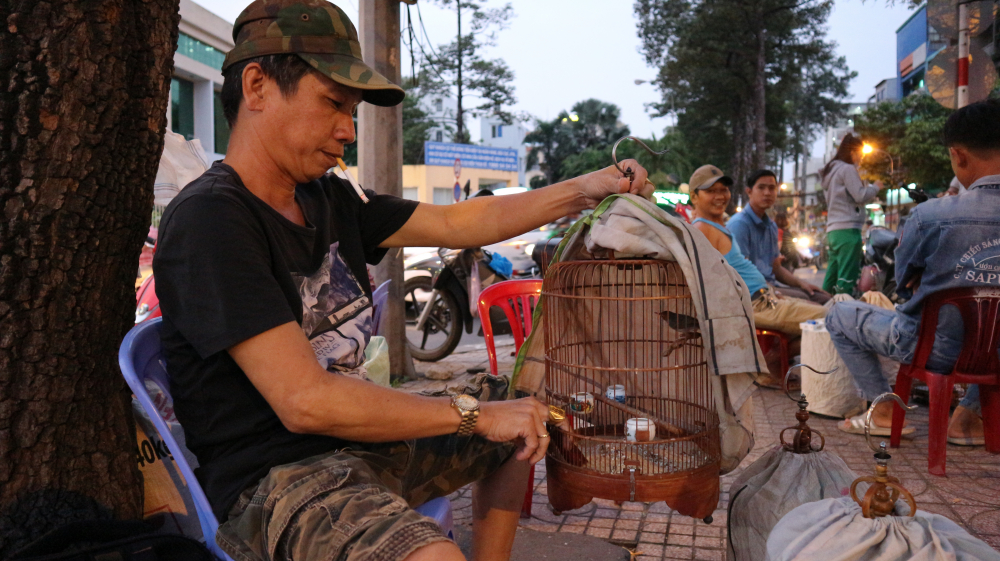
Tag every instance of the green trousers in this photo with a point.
(844, 264)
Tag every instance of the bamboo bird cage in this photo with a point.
(628, 323)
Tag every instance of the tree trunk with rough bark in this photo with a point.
(82, 116)
(760, 102)
(742, 150)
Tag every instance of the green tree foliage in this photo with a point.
(745, 78)
(459, 69)
(590, 125)
(666, 171)
(416, 124)
(911, 131)
(580, 141)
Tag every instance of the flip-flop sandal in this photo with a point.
(856, 425)
(967, 440)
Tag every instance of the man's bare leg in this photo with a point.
(496, 508)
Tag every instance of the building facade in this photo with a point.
(441, 109)
(917, 43)
(195, 109)
(436, 184)
(886, 90)
(499, 135)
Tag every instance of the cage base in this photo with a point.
(693, 493)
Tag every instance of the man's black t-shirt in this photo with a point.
(229, 267)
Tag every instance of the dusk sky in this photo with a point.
(566, 51)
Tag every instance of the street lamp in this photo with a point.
(868, 149)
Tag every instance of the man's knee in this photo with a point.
(840, 318)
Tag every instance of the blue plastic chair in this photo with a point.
(140, 359)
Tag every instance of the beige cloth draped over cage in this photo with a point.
(719, 311)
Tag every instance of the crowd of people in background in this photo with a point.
(933, 255)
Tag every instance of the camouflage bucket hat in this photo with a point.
(320, 33)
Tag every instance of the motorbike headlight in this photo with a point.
(803, 241)
(528, 249)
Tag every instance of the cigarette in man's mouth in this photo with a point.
(354, 182)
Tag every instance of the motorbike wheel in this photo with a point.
(443, 329)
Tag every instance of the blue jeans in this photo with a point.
(862, 332)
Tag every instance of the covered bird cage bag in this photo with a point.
(879, 521)
(624, 358)
(796, 472)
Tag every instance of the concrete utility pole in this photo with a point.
(459, 118)
(962, 84)
(380, 157)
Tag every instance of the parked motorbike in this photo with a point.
(543, 252)
(879, 271)
(438, 306)
(147, 305)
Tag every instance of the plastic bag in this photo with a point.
(181, 163)
(501, 265)
(835, 530)
(833, 394)
(377, 360)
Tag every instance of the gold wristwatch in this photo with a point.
(468, 407)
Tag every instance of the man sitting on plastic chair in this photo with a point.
(945, 243)
(265, 322)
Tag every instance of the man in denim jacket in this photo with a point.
(946, 243)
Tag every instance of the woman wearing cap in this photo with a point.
(846, 196)
(710, 195)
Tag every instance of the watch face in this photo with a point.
(466, 403)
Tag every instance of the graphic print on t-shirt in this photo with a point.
(336, 314)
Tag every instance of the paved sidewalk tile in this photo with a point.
(970, 495)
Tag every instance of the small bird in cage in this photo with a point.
(684, 325)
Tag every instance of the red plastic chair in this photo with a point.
(517, 299)
(980, 309)
(763, 335)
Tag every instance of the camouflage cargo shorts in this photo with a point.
(354, 504)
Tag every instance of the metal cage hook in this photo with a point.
(871, 410)
(784, 381)
(614, 156)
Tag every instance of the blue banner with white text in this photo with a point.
(471, 156)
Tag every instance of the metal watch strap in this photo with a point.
(468, 423)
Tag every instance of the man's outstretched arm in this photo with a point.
(488, 220)
(785, 276)
(282, 366)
